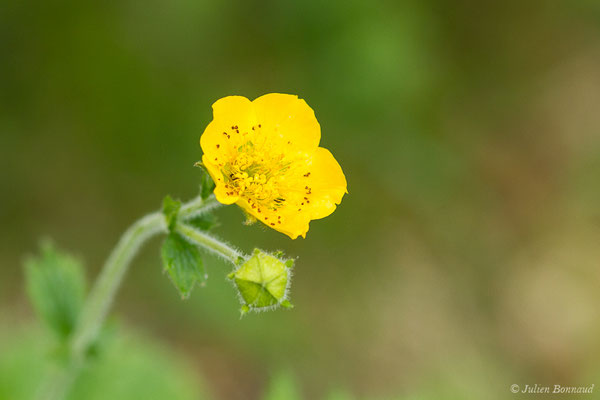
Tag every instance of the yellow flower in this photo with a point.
(264, 155)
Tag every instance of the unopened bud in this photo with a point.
(263, 282)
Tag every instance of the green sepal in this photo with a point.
(170, 210)
(262, 282)
(56, 287)
(207, 185)
(286, 304)
(240, 260)
(183, 263)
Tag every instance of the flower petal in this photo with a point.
(311, 191)
(327, 183)
(288, 120)
(233, 119)
(223, 194)
(284, 220)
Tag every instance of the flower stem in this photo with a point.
(198, 206)
(107, 283)
(209, 242)
(101, 297)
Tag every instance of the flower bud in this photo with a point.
(263, 282)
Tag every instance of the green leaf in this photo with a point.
(204, 222)
(183, 262)
(56, 288)
(207, 184)
(133, 366)
(170, 210)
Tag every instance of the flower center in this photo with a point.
(255, 174)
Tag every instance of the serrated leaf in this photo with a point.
(207, 184)
(170, 210)
(56, 288)
(204, 222)
(183, 263)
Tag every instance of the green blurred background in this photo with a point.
(466, 256)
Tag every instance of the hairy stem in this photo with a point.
(198, 206)
(101, 297)
(209, 242)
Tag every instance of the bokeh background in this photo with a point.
(466, 256)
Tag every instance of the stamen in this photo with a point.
(254, 173)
